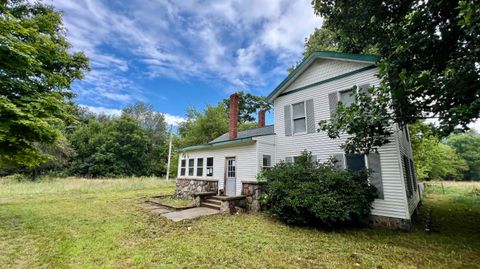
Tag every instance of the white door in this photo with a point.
(231, 176)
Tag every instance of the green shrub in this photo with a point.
(311, 193)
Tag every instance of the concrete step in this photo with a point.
(210, 205)
(212, 201)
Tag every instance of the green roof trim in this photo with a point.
(329, 80)
(326, 55)
(216, 144)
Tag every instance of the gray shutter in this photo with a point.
(339, 164)
(376, 176)
(363, 88)
(289, 159)
(314, 158)
(333, 102)
(310, 116)
(287, 114)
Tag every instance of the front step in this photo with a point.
(212, 201)
(210, 205)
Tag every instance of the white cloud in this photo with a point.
(474, 125)
(169, 119)
(225, 42)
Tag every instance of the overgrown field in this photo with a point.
(80, 223)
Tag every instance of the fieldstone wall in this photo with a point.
(390, 223)
(186, 188)
(253, 191)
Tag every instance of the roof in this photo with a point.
(242, 137)
(363, 58)
(267, 130)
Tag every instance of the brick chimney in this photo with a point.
(261, 118)
(233, 115)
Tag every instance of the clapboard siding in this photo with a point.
(246, 157)
(322, 69)
(265, 146)
(394, 202)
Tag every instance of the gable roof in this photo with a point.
(362, 58)
(242, 137)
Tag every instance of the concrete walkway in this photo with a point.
(190, 213)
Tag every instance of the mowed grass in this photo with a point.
(79, 223)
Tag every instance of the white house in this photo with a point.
(307, 95)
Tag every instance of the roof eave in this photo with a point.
(364, 58)
(217, 144)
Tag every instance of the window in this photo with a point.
(209, 167)
(299, 120)
(191, 163)
(408, 175)
(355, 162)
(407, 135)
(183, 165)
(200, 167)
(267, 162)
(231, 171)
(347, 97)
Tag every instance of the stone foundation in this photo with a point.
(390, 223)
(187, 188)
(253, 191)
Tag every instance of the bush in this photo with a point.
(310, 193)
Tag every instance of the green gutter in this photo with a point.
(326, 55)
(328, 80)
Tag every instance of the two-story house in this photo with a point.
(307, 95)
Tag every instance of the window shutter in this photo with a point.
(289, 159)
(333, 102)
(363, 88)
(288, 120)
(339, 164)
(376, 176)
(310, 116)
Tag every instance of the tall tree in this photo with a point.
(36, 72)
(248, 105)
(429, 55)
(468, 147)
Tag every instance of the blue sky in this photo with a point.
(175, 54)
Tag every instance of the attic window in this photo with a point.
(298, 116)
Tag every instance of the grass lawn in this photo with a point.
(79, 223)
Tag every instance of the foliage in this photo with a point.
(306, 192)
(468, 147)
(433, 159)
(248, 104)
(36, 71)
(156, 127)
(429, 54)
(203, 126)
(370, 109)
(111, 147)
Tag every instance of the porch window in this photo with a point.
(191, 163)
(210, 167)
(200, 167)
(266, 162)
(298, 116)
(183, 166)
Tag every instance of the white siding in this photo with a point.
(265, 146)
(394, 202)
(322, 69)
(246, 157)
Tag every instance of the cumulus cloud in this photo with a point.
(225, 42)
(169, 119)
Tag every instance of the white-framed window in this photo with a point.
(210, 167)
(298, 118)
(200, 167)
(266, 162)
(183, 167)
(191, 167)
